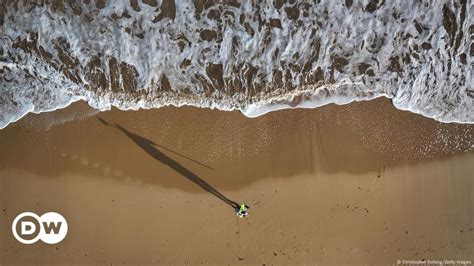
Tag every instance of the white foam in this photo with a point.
(434, 83)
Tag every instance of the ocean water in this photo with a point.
(254, 56)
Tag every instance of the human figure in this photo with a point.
(242, 211)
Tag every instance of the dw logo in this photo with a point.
(28, 228)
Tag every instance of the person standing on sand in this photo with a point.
(242, 211)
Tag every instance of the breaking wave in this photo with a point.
(255, 56)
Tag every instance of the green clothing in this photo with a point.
(242, 211)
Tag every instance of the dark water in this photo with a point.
(249, 55)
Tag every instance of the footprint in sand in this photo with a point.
(85, 162)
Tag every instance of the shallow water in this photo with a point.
(253, 56)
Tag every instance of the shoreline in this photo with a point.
(359, 183)
(250, 111)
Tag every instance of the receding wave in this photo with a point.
(255, 56)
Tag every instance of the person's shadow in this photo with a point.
(150, 147)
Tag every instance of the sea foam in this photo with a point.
(247, 55)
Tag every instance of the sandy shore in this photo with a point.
(362, 183)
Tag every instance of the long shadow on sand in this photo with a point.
(360, 138)
(149, 147)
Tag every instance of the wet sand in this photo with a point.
(362, 183)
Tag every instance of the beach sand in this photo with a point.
(362, 183)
